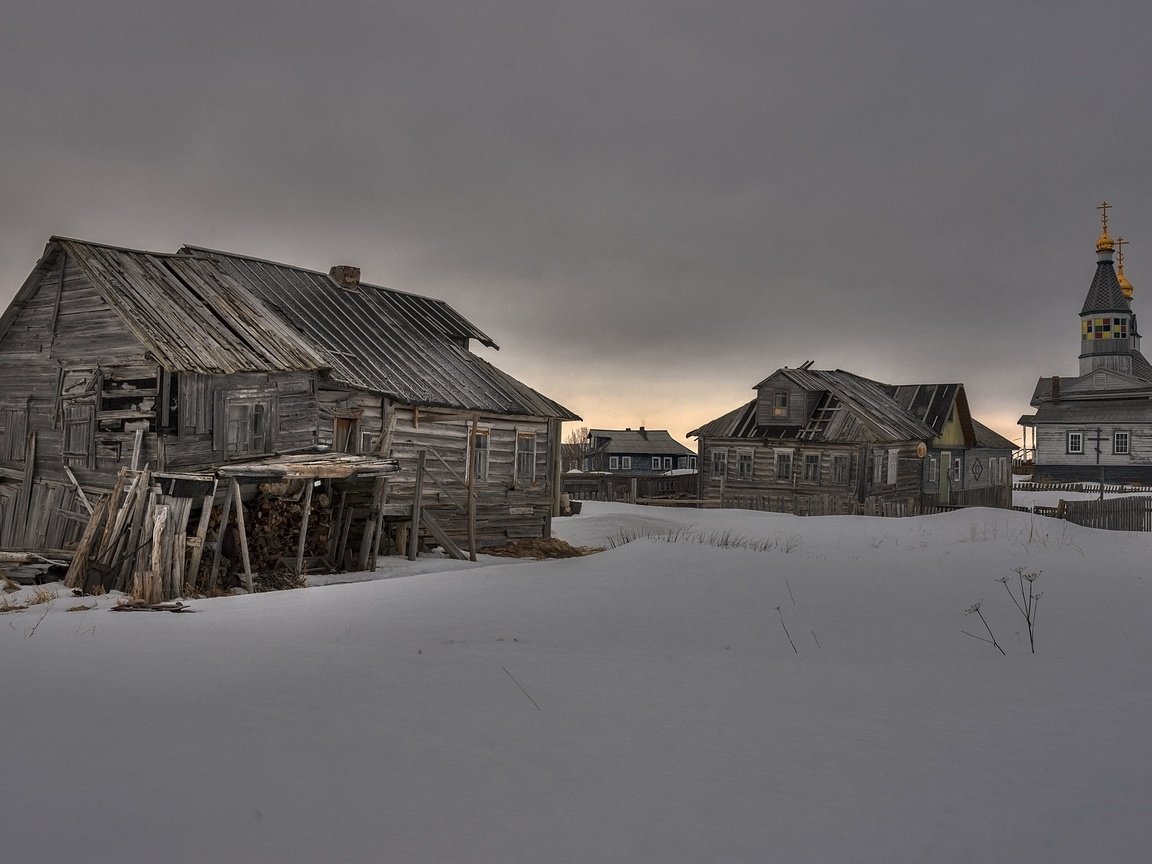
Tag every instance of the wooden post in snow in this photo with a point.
(305, 510)
(471, 475)
(414, 530)
(243, 535)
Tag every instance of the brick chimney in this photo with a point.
(345, 275)
(1055, 386)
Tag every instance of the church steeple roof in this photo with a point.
(1105, 294)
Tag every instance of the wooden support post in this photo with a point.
(24, 501)
(197, 542)
(471, 475)
(414, 531)
(367, 558)
(305, 509)
(243, 535)
(225, 511)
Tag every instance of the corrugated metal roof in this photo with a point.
(213, 312)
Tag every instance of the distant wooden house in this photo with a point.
(1097, 425)
(816, 441)
(201, 362)
(638, 452)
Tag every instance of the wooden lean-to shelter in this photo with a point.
(221, 376)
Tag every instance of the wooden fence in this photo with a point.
(1092, 488)
(1133, 513)
(630, 488)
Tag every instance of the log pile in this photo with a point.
(135, 541)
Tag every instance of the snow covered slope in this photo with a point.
(642, 704)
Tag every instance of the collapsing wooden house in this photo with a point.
(828, 441)
(226, 371)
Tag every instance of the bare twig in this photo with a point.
(786, 633)
(522, 690)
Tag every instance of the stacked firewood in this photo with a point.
(276, 518)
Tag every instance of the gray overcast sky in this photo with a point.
(649, 205)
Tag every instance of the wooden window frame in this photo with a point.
(784, 458)
(83, 456)
(625, 463)
(1074, 443)
(1117, 437)
(745, 463)
(255, 443)
(811, 461)
(481, 454)
(525, 473)
(780, 403)
(893, 469)
(841, 469)
(656, 462)
(613, 463)
(719, 462)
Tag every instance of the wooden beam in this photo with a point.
(197, 541)
(235, 486)
(80, 492)
(225, 511)
(414, 534)
(470, 472)
(441, 536)
(305, 509)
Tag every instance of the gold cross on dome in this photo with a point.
(1103, 208)
(1120, 244)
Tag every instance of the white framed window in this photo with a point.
(692, 462)
(957, 469)
(1075, 442)
(667, 463)
(744, 463)
(613, 463)
(526, 457)
(481, 438)
(780, 403)
(840, 469)
(1121, 442)
(877, 469)
(784, 465)
(720, 462)
(933, 469)
(893, 464)
(626, 463)
(655, 463)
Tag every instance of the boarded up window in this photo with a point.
(15, 419)
(526, 457)
(79, 447)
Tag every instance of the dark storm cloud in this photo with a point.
(623, 194)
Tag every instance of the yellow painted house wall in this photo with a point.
(952, 435)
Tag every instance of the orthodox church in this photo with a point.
(1097, 426)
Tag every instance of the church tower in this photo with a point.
(1108, 337)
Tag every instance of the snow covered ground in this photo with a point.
(642, 704)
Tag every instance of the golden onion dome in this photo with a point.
(1125, 285)
(1104, 242)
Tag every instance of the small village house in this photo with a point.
(638, 452)
(203, 363)
(822, 442)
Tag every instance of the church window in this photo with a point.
(1120, 443)
(1075, 442)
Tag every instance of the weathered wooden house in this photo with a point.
(200, 362)
(1097, 425)
(822, 442)
(640, 452)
